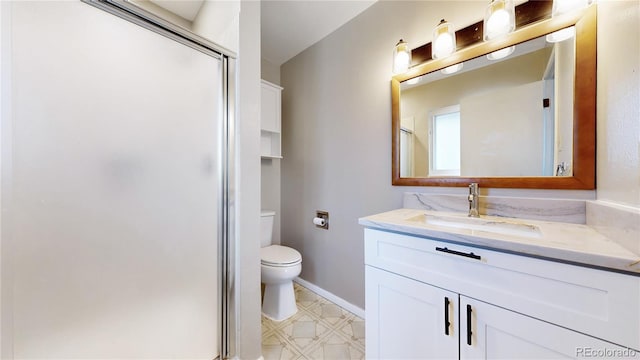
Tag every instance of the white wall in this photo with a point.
(218, 22)
(486, 151)
(337, 130)
(564, 84)
(247, 287)
(6, 308)
(618, 160)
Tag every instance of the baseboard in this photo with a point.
(331, 297)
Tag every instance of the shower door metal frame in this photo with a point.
(228, 309)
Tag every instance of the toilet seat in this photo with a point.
(279, 256)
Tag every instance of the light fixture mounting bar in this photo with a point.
(526, 13)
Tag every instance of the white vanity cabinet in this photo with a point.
(465, 302)
(405, 319)
(270, 121)
(497, 333)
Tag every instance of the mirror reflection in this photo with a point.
(507, 117)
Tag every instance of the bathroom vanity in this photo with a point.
(441, 285)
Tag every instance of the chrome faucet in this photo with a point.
(473, 200)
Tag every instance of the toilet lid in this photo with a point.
(276, 255)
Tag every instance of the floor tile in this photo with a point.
(276, 348)
(330, 313)
(335, 347)
(353, 329)
(319, 330)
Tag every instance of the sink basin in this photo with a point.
(492, 225)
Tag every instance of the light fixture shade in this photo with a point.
(501, 54)
(499, 19)
(562, 7)
(452, 69)
(444, 40)
(561, 35)
(401, 57)
(413, 81)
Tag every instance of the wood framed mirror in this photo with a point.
(486, 161)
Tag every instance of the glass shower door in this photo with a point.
(111, 190)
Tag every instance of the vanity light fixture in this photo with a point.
(444, 40)
(499, 20)
(562, 7)
(401, 57)
(452, 69)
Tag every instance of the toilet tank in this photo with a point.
(266, 227)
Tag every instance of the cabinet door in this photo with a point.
(406, 318)
(497, 333)
(270, 107)
(270, 139)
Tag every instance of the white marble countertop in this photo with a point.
(574, 243)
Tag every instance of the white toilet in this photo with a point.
(279, 266)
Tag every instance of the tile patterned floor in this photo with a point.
(320, 330)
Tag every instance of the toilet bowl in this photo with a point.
(279, 266)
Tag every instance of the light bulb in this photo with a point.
(401, 57)
(499, 19)
(402, 63)
(498, 23)
(444, 40)
(444, 45)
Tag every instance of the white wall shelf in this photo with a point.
(270, 121)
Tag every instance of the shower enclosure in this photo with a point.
(114, 186)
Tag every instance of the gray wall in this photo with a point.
(337, 130)
(270, 72)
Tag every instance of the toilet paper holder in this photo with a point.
(321, 220)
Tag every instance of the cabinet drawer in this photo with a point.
(596, 302)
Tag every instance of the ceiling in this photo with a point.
(287, 26)
(187, 9)
(290, 26)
